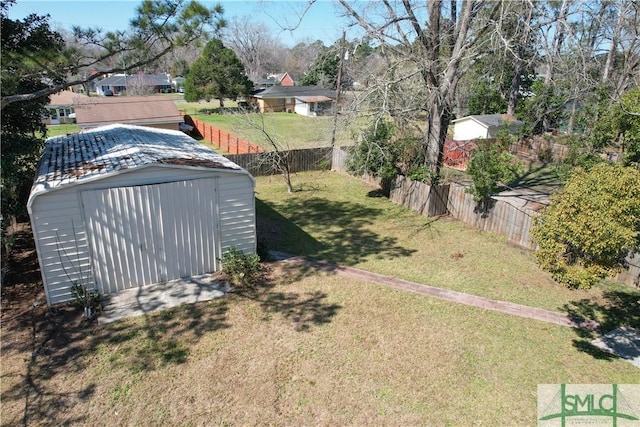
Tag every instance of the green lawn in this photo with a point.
(290, 131)
(308, 348)
(338, 218)
(64, 129)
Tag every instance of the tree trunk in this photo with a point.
(436, 134)
(514, 90)
(608, 66)
(571, 117)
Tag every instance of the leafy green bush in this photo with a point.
(242, 269)
(591, 225)
(491, 166)
(379, 152)
(373, 153)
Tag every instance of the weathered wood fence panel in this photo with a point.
(419, 197)
(502, 217)
(339, 159)
(631, 275)
(259, 164)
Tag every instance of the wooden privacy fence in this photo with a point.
(261, 164)
(501, 217)
(509, 219)
(223, 139)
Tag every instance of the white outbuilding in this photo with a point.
(123, 206)
(483, 126)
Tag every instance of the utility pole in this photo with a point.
(338, 88)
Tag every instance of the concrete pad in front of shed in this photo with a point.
(161, 296)
(623, 342)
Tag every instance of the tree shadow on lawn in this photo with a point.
(617, 309)
(537, 175)
(346, 238)
(59, 341)
(304, 310)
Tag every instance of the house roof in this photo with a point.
(65, 97)
(109, 150)
(294, 91)
(490, 120)
(313, 98)
(139, 110)
(148, 79)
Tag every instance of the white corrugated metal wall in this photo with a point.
(152, 233)
(67, 253)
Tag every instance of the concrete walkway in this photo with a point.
(139, 301)
(443, 294)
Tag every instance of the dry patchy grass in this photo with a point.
(321, 350)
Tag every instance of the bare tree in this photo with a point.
(276, 156)
(257, 49)
(435, 41)
(139, 85)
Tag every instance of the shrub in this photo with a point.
(243, 269)
(591, 225)
(491, 166)
(86, 298)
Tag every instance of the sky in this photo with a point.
(320, 22)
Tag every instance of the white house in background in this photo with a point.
(483, 126)
(124, 206)
(304, 100)
(178, 83)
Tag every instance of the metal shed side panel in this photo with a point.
(58, 223)
(61, 242)
(237, 213)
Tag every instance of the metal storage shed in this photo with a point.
(122, 206)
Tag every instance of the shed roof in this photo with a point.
(109, 150)
(139, 110)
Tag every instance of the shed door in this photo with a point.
(152, 233)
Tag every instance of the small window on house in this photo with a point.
(61, 112)
(280, 101)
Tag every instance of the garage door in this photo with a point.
(153, 233)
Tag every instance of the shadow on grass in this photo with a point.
(343, 227)
(304, 310)
(619, 308)
(537, 175)
(60, 342)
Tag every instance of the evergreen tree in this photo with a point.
(217, 74)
